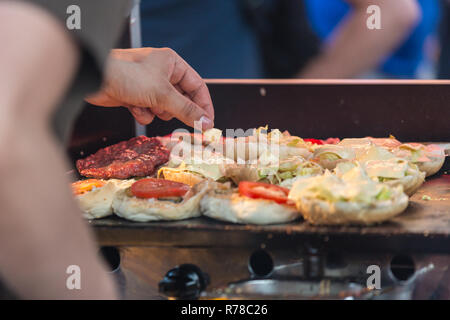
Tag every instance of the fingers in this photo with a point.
(186, 110)
(157, 82)
(165, 116)
(146, 116)
(187, 80)
(142, 115)
(102, 99)
(161, 113)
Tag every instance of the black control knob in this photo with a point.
(186, 281)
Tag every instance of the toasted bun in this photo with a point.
(410, 183)
(344, 152)
(240, 172)
(388, 143)
(182, 176)
(330, 164)
(320, 212)
(433, 166)
(432, 159)
(234, 208)
(143, 210)
(98, 203)
(287, 152)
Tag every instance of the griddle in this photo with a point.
(411, 110)
(423, 227)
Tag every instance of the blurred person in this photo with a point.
(233, 38)
(47, 70)
(230, 39)
(443, 69)
(213, 36)
(398, 50)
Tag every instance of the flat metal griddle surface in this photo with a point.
(424, 226)
(410, 110)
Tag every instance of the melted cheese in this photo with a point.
(212, 171)
(393, 168)
(207, 165)
(359, 145)
(340, 151)
(376, 153)
(212, 135)
(353, 186)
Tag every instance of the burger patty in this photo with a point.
(137, 157)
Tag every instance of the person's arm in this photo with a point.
(354, 49)
(41, 228)
(155, 82)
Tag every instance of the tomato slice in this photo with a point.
(314, 141)
(158, 188)
(263, 191)
(84, 186)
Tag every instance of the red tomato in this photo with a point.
(314, 141)
(264, 191)
(158, 188)
(331, 141)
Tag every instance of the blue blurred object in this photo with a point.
(325, 15)
(211, 35)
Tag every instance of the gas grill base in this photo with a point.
(299, 272)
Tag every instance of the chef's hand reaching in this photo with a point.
(155, 82)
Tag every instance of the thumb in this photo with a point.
(186, 110)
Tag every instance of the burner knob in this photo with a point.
(186, 281)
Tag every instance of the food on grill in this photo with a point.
(158, 188)
(137, 157)
(212, 135)
(254, 203)
(173, 140)
(294, 168)
(180, 175)
(284, 172)
(383, 166)
(242, 172)
(429, 158)
(258, 190)
(359, 145)
(260, 143)
(95, 196)
(330, 141)
(375, 153)
(388, 143)
(353, 198)
(289, 145)
(328, 156)
(153, 199)
(316, 141)
(349, 181)
(393, 172)
(84, 186)
(192, 170)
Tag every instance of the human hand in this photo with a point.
(155, 82)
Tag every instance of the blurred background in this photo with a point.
(303, 38)
(311, 39)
